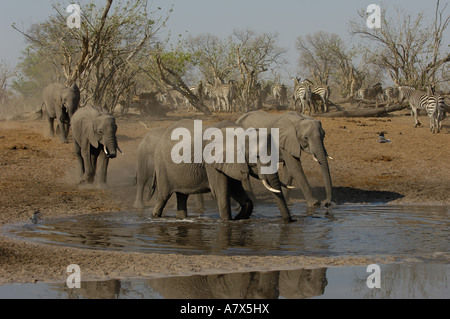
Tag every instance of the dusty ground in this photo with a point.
(38, 172)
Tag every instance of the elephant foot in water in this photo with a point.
(246, 211)
(181, 214)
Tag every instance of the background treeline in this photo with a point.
(120, 52)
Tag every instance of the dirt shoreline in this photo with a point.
(40, 173)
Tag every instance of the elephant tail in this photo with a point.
(40, 111)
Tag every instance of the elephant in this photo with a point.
(94, 134)
(223, 178)
(61, 104)
(297, 133)
(146, 167)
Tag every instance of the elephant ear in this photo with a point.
(288, 136)
(89, 131)
(236, 169)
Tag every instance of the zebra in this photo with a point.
(222, 93)
(279, 92)
(173, 97)
(390, 94)
(435, 107)
(302, 92)
(370, 93)
(194, 90)
(320, 93)
(417, 100)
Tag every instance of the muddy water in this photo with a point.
(366, 230)
(415, 280)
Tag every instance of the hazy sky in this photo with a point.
(290, 18)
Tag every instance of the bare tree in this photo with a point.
(213, 56)
(404, 46)
(6, 73)
(104, 55)
(255, 54)
(169, 67)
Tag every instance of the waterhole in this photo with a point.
(416, 280)
(345, 230)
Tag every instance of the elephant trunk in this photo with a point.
(321, 155)
(272, 183)
(110, 147)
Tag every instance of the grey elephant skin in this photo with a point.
(146, 167)
(94, 135)
(297, 133)
(224, 180)
(60, 103)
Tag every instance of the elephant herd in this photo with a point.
(94, 135)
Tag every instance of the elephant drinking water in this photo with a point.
(223, 178)
(297, 133)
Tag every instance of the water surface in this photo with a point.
(344, 230)
(416, 280)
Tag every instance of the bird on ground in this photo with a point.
(36, 217)
(383, 139)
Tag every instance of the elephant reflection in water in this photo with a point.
(294, 284)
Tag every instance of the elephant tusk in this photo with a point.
(118, 148)
(287, 186)
(330, 157)
(105, 150)
(266, 185)
(315, 159)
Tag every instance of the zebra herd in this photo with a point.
(433, 104)
(311, 95)
(314, 98)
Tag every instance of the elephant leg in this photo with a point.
(287, 191)
(239, 195)
(90, 166)
(104, 169)
(249, 190)
(182, 205)
(140, 182)
(51, 128)
(80, 160)
(66, 129)
(200, 203)
(221, 192)
(62, 131)
(161, 202)
(295, 168)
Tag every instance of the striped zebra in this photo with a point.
(435, 107)
(188, 104)
(417, 100)
(302, 93)
(279, 92)
(222, 92)
(390, 94)
(319, 94)
(370, 93)
(173, 97)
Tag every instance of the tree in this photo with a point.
(213, 56)
(170, 66)
(325, 58)
(104, 56)
(6, 73)
(408, 50)
(255, 54)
